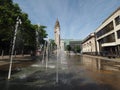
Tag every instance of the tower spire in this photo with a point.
(57, 24)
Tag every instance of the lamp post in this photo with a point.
(13, 45)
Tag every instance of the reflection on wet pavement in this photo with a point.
(75, 73)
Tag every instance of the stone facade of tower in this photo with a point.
(57, 33)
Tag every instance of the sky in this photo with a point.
(77, 18)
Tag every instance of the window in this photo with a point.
(117, 20)
(118, 34)
(105, 29)
(110, 38)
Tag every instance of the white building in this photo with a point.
(108, 35)
(89, 45)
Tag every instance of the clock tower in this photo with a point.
(57, 33)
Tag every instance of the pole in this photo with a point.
(13, 46)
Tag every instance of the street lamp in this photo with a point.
(13, 45)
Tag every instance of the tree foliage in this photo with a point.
(53, 44)
(8, 15)
(42, 33)
(68, 48)
(77, 49)
(26, 36)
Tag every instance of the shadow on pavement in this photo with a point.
(46, 81)
(14, 86)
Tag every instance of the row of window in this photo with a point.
(108, 27)
(117, 20)
(118, 34)
(105, 30)
(108, 39)
(87, 44)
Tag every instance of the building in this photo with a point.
(89, 45)
(57, 33)
(108, 35)
(65, 43)
(75, 45)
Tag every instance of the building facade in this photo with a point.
(89, 45)
(57, 33)
(108, 35)
(65, 43)
(75, 45)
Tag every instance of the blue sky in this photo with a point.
(77, 18)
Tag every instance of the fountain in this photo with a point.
(47, 55)
(57, 78)
(13, 45)
(44, 49)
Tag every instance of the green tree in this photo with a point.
(26, 36)
(77, 49)
(8, 15)
(26, 32)
(68, 48)
(42, 33)
(52, 43)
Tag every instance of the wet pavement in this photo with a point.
(75, 72)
